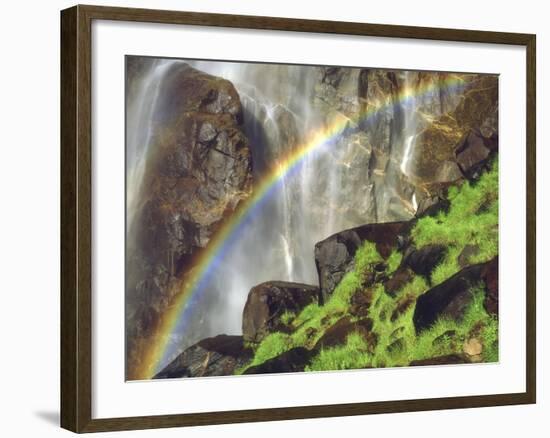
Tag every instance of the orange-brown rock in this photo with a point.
(434, 159)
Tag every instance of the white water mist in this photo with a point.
(309, 205)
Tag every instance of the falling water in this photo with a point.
(279, 243)
(140, 127)
(409, 106)
(279, 113)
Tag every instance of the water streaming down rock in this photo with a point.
(140, 126)
(364, 176)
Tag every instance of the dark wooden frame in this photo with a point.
(76, 237)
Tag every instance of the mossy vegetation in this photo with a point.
(393, 262)
(353, 354)
(472, 219)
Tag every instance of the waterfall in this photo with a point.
(409, 108)
(329, 193)
(280, 241)
(140, 126)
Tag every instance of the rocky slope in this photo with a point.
(409, 293)
(199, 167)
(197, 172)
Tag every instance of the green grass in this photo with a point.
(310, 324)
(366, 256)
(443, 338)
(353, 354)
(393, 261)
(272, 345)
(472, 219)
(287, 317)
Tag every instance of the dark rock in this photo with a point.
(337, 334)
(291, 361)
(450, 298)
(334, 256)
(375, 274)
(432, 205)
(423, 261)
(198, 169)
(448, 171)
(402, 305)
(490, 277)
(399, 279)
(466, 254)
(267, 302)
(360, 303)
(472, 154)
(450, 359)
(218, 356)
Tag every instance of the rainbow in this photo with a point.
(210, 258)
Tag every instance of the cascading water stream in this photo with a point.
(141, 106)
(279, 114)
(409, 107)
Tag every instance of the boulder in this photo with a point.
(447, 171)
(399, 279)
(432, 205)
(198, 169)
(217, 356)
(472, 154)
(466, 254)
(338, 333)
(334, 256)
(423, 261)
(360, 303)
(450, 298)
(489, 274)
(267, 302)
(472, 347)
(401, 306)
(291, 361)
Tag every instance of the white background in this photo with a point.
(112, 397)
(30, 221)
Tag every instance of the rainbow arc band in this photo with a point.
(210, 258)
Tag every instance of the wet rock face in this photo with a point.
(337, 89)
(334, 256)
(451, 298)
(198, 169)
(217, 356)
(200, 165)
(435, 159)
(267, 302)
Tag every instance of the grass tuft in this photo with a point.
(472, 219)
(393, 261)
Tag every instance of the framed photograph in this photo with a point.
(269, 218)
